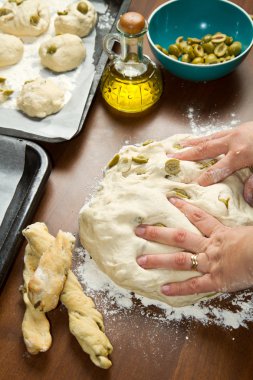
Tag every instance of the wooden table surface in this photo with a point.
(144, 349)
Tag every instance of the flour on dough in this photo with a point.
(132, 193)
(24, 18)
(78, 18)
(62, 53)
(40, 98)
(11, 50)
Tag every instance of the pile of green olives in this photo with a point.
(210, 49)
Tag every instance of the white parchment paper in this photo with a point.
(75, 83)
(12, 160)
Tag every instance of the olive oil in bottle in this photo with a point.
(131, 82)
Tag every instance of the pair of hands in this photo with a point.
(225, 255)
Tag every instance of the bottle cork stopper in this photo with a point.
(132, 22)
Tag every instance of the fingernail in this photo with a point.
(166, 289)
(140, 230)
(174, 201)
(142, 260)
(170, 155)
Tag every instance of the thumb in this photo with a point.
(248, 190)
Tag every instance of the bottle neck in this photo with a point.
(131, 49)
(132, 63)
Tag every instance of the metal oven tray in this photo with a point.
(114, 10)
(36, 171)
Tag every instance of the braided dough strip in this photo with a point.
(35, 326)
(46, 284)
(98, 347)
(86, 323)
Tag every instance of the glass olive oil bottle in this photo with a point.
(131, 82)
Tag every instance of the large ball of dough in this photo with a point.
(24, 18)
(40, 98)
(11, 50)
(134, 190)
(79, 18)
(62, 53)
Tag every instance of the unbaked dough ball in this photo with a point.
(24, 17)
(79, 18)
(135, 189)
(62, 53)
(11, 50)
(40, 98)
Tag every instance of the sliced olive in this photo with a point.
(4, 11)
(181, 193)
(2, 80)
(210, 59)
(34, 20)
(229, 40)
(165, 51)
(225, 201)
(208, 47)
(207, 164)
(220, 50)
(159, 47)
(124, 165)
(198, 51)
(82, 7)
(185, 58)
(207, 38)
(62, 13)
(193, 40)
(113, 161)
(217, 38)
(179, 39)
(229, 57)
(172, 166)
(29, 81)
(177, 146)
(140, 159)
(147, 142)
(174, 50)
(198, 61)
(7, 92)
(173, 57)
(51, 49)
(18, 2)
(235, 48)
(189, 50)
(182, 45)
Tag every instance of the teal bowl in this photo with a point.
(195, 18)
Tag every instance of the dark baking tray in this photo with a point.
(116, 8)
(37, 168)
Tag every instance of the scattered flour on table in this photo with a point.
(213, 124)
(236, 309)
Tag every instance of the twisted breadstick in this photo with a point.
(46, 284)
(35, 326)
(86, 323)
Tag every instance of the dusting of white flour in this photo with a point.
(236, 310)
(213, 124)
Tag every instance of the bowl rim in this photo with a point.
(201, 65)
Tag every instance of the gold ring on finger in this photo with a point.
(194, 261)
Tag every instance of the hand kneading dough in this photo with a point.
(24, 18)
(62, 53)
(134, 192)
(11, 50)
(78, 18)
(40, 98)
